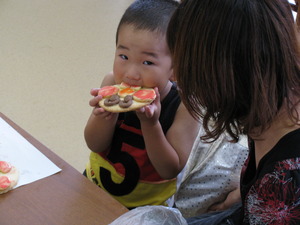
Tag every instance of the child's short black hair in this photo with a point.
(152, 15)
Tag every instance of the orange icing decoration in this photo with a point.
(125, 85)
(126, 91)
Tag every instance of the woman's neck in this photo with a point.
(265, 141)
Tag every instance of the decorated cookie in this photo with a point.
(124, 98)
(9, 177)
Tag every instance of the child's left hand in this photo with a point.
(150, 113)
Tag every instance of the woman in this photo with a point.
(237, 65)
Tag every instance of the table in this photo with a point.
(65, 198)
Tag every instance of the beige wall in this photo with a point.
(52, 52)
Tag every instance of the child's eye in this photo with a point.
(148, 63)
(123, 57)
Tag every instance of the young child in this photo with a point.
(242, 66)
(136, 156)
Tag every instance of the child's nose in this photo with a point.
(133, 73)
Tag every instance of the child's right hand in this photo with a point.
(94, 102)
(150, 113)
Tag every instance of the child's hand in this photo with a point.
(150, 113)
(94, 102)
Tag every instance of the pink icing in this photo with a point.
(5, 167)
(4, 182)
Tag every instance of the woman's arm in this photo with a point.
(232, 198)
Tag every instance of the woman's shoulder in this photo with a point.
(288, 166)
(284, 176)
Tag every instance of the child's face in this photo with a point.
(142, 58)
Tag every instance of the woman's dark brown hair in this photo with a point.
(236, 62)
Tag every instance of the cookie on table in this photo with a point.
(9, 176)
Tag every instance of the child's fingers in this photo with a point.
(94, 102)
(141, 110)
(94, 91)
(98, 111)
(149, 111)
